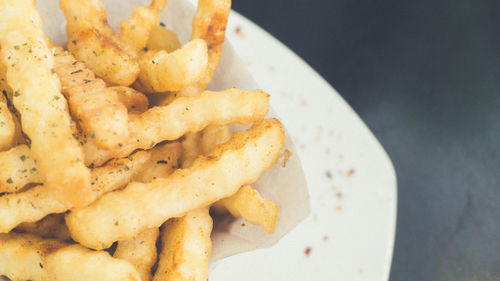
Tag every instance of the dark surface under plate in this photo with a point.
(425, 77)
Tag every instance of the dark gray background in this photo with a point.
(425, 77)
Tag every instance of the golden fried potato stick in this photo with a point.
(163, 161)
(133, 33)
(6, 95)
(249, 204)
(52, 226)
(92, 40)
(186, 247)
(140, 252)
(17, 169)
(212, 136)
(27, 257)
(162, 38)
(163, 71)
(97, 108)
(191, 148)
(37, 97)
(135, 102)
(39, 201)
(183, 115)
(144, 205)
(209, 24)
(7, 125)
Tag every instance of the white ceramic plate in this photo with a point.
(350, 233)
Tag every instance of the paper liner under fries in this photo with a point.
(286, 186)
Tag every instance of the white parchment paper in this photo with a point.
(286, 186)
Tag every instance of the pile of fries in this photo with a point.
(113, 155)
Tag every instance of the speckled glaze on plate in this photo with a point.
(350, 233)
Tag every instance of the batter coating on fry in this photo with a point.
(37, 97)
(211, 178)
(27, 257)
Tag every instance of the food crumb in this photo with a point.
(339, 208)
(307, 251)
(286, 155)
(329, 174)
(325, 238)
(243, 224)
(339, 195)
(350, 173)
(303, 102)
(238, 30)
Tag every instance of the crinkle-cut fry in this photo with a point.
(145, 205)
(195, 144)
(7, 125)
(183, 115)
(191, 148)
(164, 160)
(140, 252)
(27, 257)
(17, 169)
(44, 113)
(51, 226)
(249, 204)
(186, 247)
(209, 24)
(92, 40)
(212, 136)
(97, 108)
(133, 33)
(135, 101)
(164, 71)
(39, 201)
(162, 38)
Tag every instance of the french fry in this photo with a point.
(140, 252)
(27, 257)
(173, 71)
(133, 33)
(212, 136)
(44, 113)
(162, 38)
(163, 161)
(254, 208)
(17, 169)
(135, 102)
(142, 205)
(7, 125)
(92, 40)
(98, 109)
(52, 226)
(191, 148)
(39, 201)
(183, 115)
(6, 95)
(209, 24)
(186, 247)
